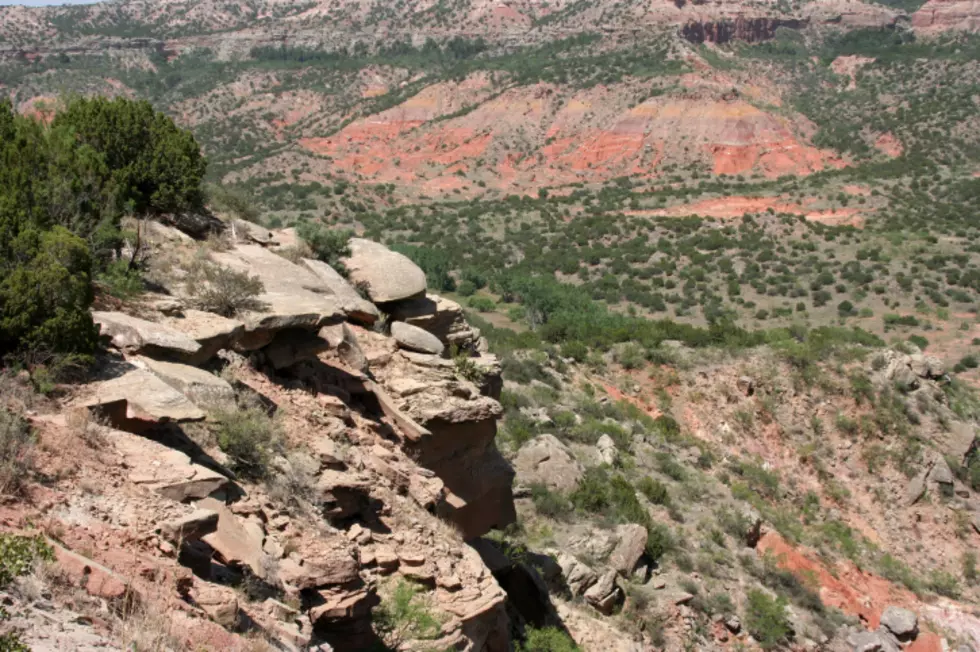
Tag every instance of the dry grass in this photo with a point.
(16, 452)
(146, 629)
(84, 425)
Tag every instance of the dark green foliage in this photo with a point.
(249, 436)
(63, 190)
(435, 263)
(45, 294)
(549, 502)
(548, 639)
(153, 166)
(654, 490)
(19, 553)
(766, 620)
(328, 245)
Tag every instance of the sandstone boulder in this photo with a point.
(234, 544)
(439, 316)
(145, 395)
(190, 527)
(927, 366)
(384, 274)
(220, 604)
(604, 594)
(607, 449)
(872, 642)
(546, 460)
(203, 388)
(357, 308)
(164, 470)
(294, 297)
(196, 225)
(135, 335)
(903, 623)
(212, 332)
(632, 542)
(578, 576)
(414, 338)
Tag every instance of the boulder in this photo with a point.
(916, 488)
(220, 604)
(326, 562)
(632, 542)
(251, 232)
(903, 623)
(546, 460)
(941, 474)
(344, 340)
(190, 527)
(607, 449)
(384, 274)
(146, 397)
(871, 642)
(578, 576)
(293, 296)
(203, 388)
(135, 335)
(164, 470)
(414, 338)
(927, 366)
(233, 543)
(604, 594)
(212, 332)
(439, 316)
(342, 495)
(357, 308)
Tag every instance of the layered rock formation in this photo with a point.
(387, 464)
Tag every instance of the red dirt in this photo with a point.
(889, 145)
(848, 588)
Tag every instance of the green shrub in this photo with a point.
(19, 553)
(575, 350)
(405, 616)
(659, 541)
(548, 639)
(16, 448)
(328, 245)
(45, 295)
(548, 502)
(766, 620)
(120, 280)
(466, 288)
(218, 289)
(249, 436)
(654, 490)
(482, 304)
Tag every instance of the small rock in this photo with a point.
(607, 449)
(414, 338)
(746, 385)
(190, 527)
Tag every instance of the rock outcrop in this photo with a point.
(385, 275)
(546, 460)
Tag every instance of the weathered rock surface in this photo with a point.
(164, 470)
(294, 297)
(414, 338)
(135, 335)
(144, 394)
(546, 460)
(903, 623)
(578, 577)
(384, 274)
(439, 316)
(606, 448)
(212, 332)
(233, 543)
(604, 594)
(191, 527)
(626, 555)
(205, 389)
(357, 308)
